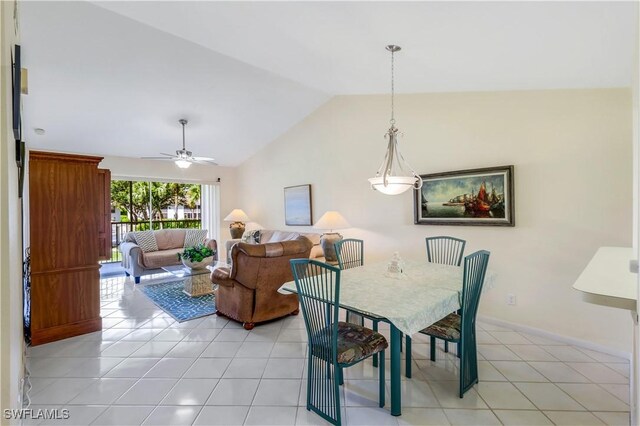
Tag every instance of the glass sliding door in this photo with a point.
(144, 205)
(175, 205)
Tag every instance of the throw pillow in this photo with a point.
(251, 236)
(194, 237)
(146, 240)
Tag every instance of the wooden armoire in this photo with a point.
(69, 218)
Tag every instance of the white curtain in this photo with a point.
(211, 211)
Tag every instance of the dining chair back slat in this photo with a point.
(350, 253)
(318, 286)
(445, 250)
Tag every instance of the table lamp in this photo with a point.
(331, 221)
(237, 218)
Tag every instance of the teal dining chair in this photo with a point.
(350, 254)
(333, 344)
(447, 251)
(460, 327)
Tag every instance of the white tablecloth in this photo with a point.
(426, 293)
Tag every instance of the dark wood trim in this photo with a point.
(58, 156)
(104, 218)
(51, 334)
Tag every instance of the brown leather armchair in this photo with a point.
(249, 291)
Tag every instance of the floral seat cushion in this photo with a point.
(448, 328)
(354, 343)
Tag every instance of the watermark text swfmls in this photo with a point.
(38, 414)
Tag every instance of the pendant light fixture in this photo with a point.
(394, 176)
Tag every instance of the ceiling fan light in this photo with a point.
(183, 164)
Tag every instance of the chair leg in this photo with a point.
(433, 348)
(249, 325)
(381, 379)
(459, 347)
(401, 334)
(137, 279)
(407, 368)
(375, 357)
(340, 374)
(446, 346)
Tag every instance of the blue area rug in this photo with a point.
(171, 299)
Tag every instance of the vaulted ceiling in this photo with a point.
(113, 78)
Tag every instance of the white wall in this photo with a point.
(573, 188)
(125, 167)
(11, 341)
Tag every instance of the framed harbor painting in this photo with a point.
(297, 205)
(466, 197)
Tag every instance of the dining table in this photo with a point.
(409, 301)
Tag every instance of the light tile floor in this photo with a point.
(145, 368)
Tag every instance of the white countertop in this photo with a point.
(608, 275)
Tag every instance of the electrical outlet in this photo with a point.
(511, 299)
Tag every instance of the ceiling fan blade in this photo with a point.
(204, 158)
(156, 158)
(205, 163)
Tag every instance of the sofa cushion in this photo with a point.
(146, 240)
(313, 237)
(170, 238)
(316, 251)
(158, 259)
(194, 237)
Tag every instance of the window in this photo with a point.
(143, 205)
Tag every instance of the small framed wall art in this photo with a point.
(466, 197)
(297, 205)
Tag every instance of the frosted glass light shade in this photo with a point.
(332, 220)
(395, 184)
(183, 164)
(237, 215)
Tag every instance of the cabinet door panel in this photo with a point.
(104, 222)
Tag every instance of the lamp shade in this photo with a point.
(332, 220)
(237, 215)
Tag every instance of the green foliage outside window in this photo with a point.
(132, 199)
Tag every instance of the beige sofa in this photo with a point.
(170, 242)
(265, 236)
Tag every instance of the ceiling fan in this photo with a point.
(184, 158)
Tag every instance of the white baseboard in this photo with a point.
(553, 336)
